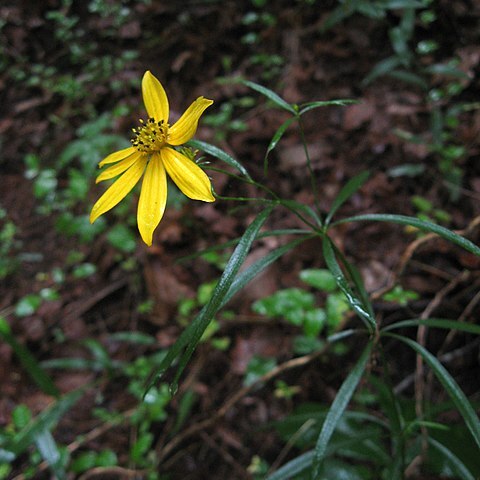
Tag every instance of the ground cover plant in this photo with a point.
(318, 319)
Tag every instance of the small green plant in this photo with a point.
(188, 306)
(226, 119)
(371, 447)
(30, 303)
(415, 62)
(257, 367)
(9, 245)
(398, 295)
(64, 198)
(346, 443)
(376, 9)
(426, 211)
(298, 307)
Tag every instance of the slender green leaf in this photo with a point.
(271, 95)
(357, 280)
(301, 209)
(382, 68)
(46, 420)
(337, 409)
(220, 154)
(50, 453)
(458, 468)
(306, 107)
(231, 243)
(456, 394)
(75, 363)
(28, 361)
(255, 269)
(275, 139)
(355, 302)
(409, 77)
(185, 406)
(417, 223)
(190, 337)
(297, 465)
(340, 13)
(436, 323)
(446, 69)
(6, 456)
(133, 337)
(346, 192)
(399, 4)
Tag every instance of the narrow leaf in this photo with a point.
(46, 420)
(300, 209)
(255, 269)
(409, 77)
(381, 68)
(346, 192)
(50, 453)
(220, 154)
(336, 411)
(356, 303)
(458, 468)
(306, 107)
(271, 95)
(359, 285)
(436, 323)
(297, 465)
(417, 223)
(190, 337)
(456, 394)
(448, 70)
(275, 139)
(28, 361)
(397, 4)
(231, 243)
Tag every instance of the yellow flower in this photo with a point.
(152, 156)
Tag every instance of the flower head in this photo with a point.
(152, 156)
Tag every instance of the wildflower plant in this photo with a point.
(157, 151)
(370, 335)
(153, 155)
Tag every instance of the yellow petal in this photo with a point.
(154, 98)
(118, 190)
(187, 175)
(186, 126)
(119, 167)
(117, 156)
(153, 198)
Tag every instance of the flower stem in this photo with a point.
(313, 178)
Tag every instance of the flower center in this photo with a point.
(150, 136)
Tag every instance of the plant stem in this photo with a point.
(313, 178)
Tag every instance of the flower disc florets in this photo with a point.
(150, 136)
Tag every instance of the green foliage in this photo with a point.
(376, 9)
(9, 245)
(400, 296)
(298, 307)
(88, 460)
(78, 45)
(427, 212)
(414, 62)
(257, 367)
(368, 431)
(225, 119)
(335, 454)
(26, 431)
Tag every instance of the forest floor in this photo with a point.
(189, 48)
